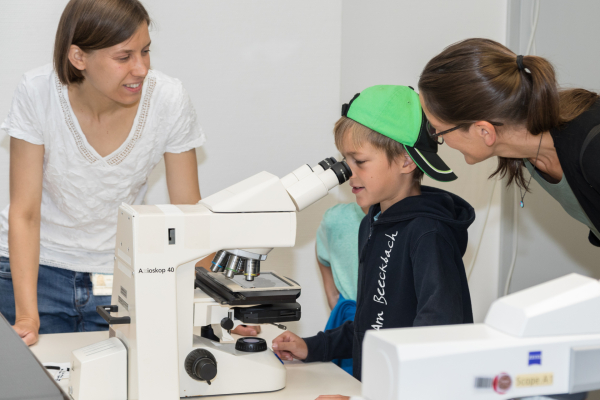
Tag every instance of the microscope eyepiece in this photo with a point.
(327, 163)
(342, 171)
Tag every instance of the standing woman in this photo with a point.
(486, 101)
(85, 134)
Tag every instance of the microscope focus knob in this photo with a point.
(201, 365)
(251, 344)
(227, 323)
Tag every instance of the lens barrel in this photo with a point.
(232, 264)
(252, 269)
(241, 266)
(220, 261)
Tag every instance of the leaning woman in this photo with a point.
(85, 134)
(485, 101)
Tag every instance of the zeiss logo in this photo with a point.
(535, 357)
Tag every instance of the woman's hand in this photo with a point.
(246, 330)
(288, 346)
(28, 330)
(333, 397)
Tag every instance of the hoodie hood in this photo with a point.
(433, 203)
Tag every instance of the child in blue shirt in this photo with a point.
(337, 257)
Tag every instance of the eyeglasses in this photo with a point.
(431, 131)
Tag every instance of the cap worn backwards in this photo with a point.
(395, 111)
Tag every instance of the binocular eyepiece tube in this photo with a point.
(339, 168)
(324, 165)
(307, 185)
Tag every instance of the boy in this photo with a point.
(412, 240)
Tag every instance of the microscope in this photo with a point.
(540, 341)
(170, 322)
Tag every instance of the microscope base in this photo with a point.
(237, 372)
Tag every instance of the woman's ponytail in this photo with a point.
(543, 108)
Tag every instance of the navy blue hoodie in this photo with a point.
(410, 272)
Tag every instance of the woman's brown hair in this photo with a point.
(93, 25)
(480, 80)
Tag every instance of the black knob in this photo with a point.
(251, 344)
(227, 323)
(201, 365)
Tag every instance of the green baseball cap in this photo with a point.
(395, 111)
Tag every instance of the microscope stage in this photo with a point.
(266, 280)
(268, 288)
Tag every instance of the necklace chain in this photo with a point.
(531, 177)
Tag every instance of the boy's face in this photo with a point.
(374, 180)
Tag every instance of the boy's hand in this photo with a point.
(246, 330)
(288, 346)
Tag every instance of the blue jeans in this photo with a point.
(65, 300)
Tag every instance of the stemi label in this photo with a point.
(530, 380)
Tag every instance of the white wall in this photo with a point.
(550, 242)
(27, 30)
(389, 42)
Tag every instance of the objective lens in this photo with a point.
(232, 266)
(252, 269)
(220, 260)
(241, 266)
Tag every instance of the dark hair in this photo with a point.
(94, 25)
(479, 79)
(359, 132)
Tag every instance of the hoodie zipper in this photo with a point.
(364, 249)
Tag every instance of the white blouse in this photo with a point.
(81, 190)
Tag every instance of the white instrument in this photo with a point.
(176, 336)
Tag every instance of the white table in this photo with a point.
(304, 381)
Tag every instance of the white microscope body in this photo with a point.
(157, 313)
(542, 340)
